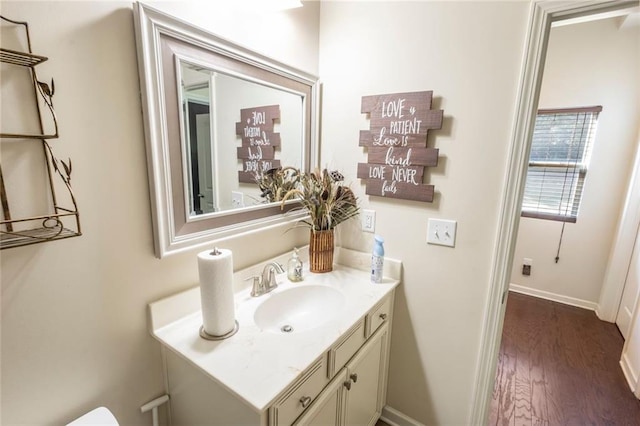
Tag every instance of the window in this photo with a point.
(560, 150)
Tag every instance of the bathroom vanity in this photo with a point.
(314, 352)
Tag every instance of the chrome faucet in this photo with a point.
(267, 281)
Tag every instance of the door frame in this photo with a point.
(542, 14)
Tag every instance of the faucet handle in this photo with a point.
(257, 285)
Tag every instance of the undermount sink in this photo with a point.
(299, 309)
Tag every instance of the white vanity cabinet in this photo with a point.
(346, 385)
(334, 373)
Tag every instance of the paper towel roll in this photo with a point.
(216, 291)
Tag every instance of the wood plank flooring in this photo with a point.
(559, 365)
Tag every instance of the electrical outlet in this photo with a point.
(441, 232)
(368, 218)
(526, 266)
(237, 199)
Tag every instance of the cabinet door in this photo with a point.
(326, 410)
(366, 376)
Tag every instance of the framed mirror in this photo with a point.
(217, 117)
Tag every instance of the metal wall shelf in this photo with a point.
(61, 222)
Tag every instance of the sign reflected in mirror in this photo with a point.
(198, 92)
(259, 141)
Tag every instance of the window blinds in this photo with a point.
(560, 150)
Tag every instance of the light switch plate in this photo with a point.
(368, 218)
(442, 232)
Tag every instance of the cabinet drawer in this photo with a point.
(299, 395)
(345, 348)
(378, 316)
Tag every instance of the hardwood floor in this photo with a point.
(559, 365)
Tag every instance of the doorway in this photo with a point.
(543, 14)
(584, 137)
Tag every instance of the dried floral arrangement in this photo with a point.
(325, 197)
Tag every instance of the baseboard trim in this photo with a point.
(567, 300)
(630, 375)
(393, 417)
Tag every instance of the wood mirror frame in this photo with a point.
(160, 37)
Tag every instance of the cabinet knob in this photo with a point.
(354, 377)
(383, 317)
(347, 384)
(305, 401)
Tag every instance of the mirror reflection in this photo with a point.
(233, 131)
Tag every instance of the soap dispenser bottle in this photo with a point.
(377, 260)
(294, 267)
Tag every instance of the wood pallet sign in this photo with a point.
(396, 144)
(259, 141)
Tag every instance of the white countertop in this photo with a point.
(258, 365)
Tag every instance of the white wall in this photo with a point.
(74, 311)
(587, 64)
(469, 54)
